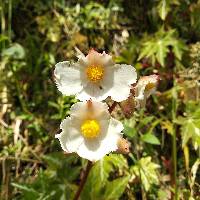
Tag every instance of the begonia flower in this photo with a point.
(145, 87)
(95, 77)
(90, 131)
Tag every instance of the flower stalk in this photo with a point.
(83, 180)
(174, 145)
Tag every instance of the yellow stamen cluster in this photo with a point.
(90, 128)
(149, 86)
(95, 73)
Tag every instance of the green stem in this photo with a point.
(174, 156)
(174, 145)
(9, 19)
(3, 23)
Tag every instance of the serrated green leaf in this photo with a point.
(190, 130)
(98, 177)
(117, 160)
(146, 170)
(116, 188)
(157, 47)
(96, 180)
(178, 48)
(150, 138)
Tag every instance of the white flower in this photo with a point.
(144, 88)
(90, 131)
(96, 77)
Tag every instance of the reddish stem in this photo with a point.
(83, 181)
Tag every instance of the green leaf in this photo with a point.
(115, 189)
(24, 187)
(194, 171)
(150, 138)
(146, 119)
(194, 15)
(27, 190)
(98, 178)
(131, 132)
(16, 51)
(163, 9)
(53, 104)
(53, 160)
(146, 170)
(161, 52)
(190, 130)
(157, 47)
(178, 48)
(117, 160)
(129, 127)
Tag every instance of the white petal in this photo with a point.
(95, 58)
(68, 78)
(101, 111)
(116, 126)
(82, 110)
(94, 150)
(143, 82)
(142, 98)
(141, 94)
(107, 60)
(70, 138)
(83, 61)
(124, 76)
(78, 110)
(93, 91)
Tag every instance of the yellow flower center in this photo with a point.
(95, 73)
(90, 128)
(150, 86)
